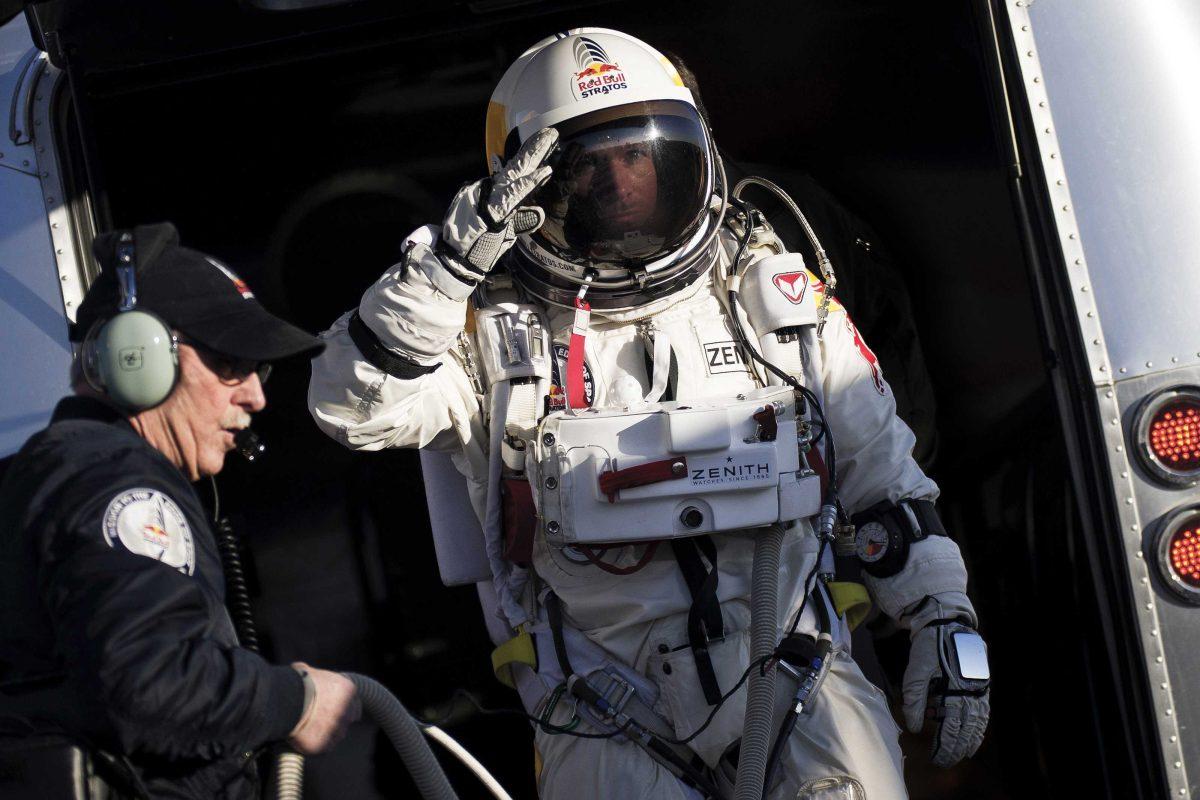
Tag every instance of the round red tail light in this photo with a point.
(1179, 554)
(1168, 436)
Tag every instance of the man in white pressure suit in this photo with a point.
(615, 281)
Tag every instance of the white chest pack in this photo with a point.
(673, 469)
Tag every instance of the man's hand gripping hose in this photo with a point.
(324, 723)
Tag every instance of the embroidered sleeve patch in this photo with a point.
(148, 523)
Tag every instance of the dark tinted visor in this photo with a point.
(630, 183)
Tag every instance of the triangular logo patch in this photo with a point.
(792, 284)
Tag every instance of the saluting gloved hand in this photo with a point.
(947, 679)
(487, 216)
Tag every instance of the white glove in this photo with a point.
(960, 702)
(487, 216)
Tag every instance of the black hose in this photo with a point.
(237, 594)
(406, 736)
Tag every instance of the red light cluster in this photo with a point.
(1175, 436)
(1185, 555)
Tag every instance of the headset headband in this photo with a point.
(126, 271)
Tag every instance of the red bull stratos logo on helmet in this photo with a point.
(597, 73)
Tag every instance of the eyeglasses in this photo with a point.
(229, 370)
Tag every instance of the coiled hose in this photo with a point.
(764, 636)
(406, 736)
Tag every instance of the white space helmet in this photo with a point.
(635, 170)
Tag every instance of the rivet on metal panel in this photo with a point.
(1037, 79)
(1108, 393)
(1149, 606)
(1138, 554)
(1174, 739)
(1174, 359)
(1072, 236)
(1025, 27)
(1163, 686)
(1120, 448)
(50, 200)
(69, 304)
(1029, 53)
(1128, 500)
(1079, 262)
(1095, 341)
(1149, 363)
(1091, 314)
(1048, 130)
(1115, 421)
(1145, 579)
(1170, 712)
(59, 251)
(1158, 659)
(1041, 103)
(1154, 632)
(1054, 155)
(1066, 208)
(54, 225)
(63, 278)
(1134, 526)
(1083, 288)
(1178, 764)
(1123, 370)
(1183, 792)
(1103, 368)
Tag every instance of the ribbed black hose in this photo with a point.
(383, 707)
(237, 594)
(288, 773)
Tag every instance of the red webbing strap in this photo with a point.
(594, 556)
(576, 395)
(669, 469)
(818, 466)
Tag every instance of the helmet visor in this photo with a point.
(629, 184)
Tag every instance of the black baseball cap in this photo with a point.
(193, 293)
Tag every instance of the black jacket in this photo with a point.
(113, 629)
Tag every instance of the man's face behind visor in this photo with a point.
(625, 188)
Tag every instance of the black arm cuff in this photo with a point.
(380, 357)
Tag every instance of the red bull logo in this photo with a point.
(868, 356)
(792, 285)
(156, 534)
(238, 283)
(597, 74)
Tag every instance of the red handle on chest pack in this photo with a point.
(576, 392)
(670, 469)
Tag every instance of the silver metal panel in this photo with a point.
(1122, 78)
(1113, 287)
(17, 58)
(36, 356)
(68, 265)
(1174, 639)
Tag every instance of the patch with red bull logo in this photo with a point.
(148, 523)
(792, 285)
(597, 74)
(557, 399)
(868, 356)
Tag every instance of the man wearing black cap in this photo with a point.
(113, 631)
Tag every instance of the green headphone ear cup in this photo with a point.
(136, 360)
